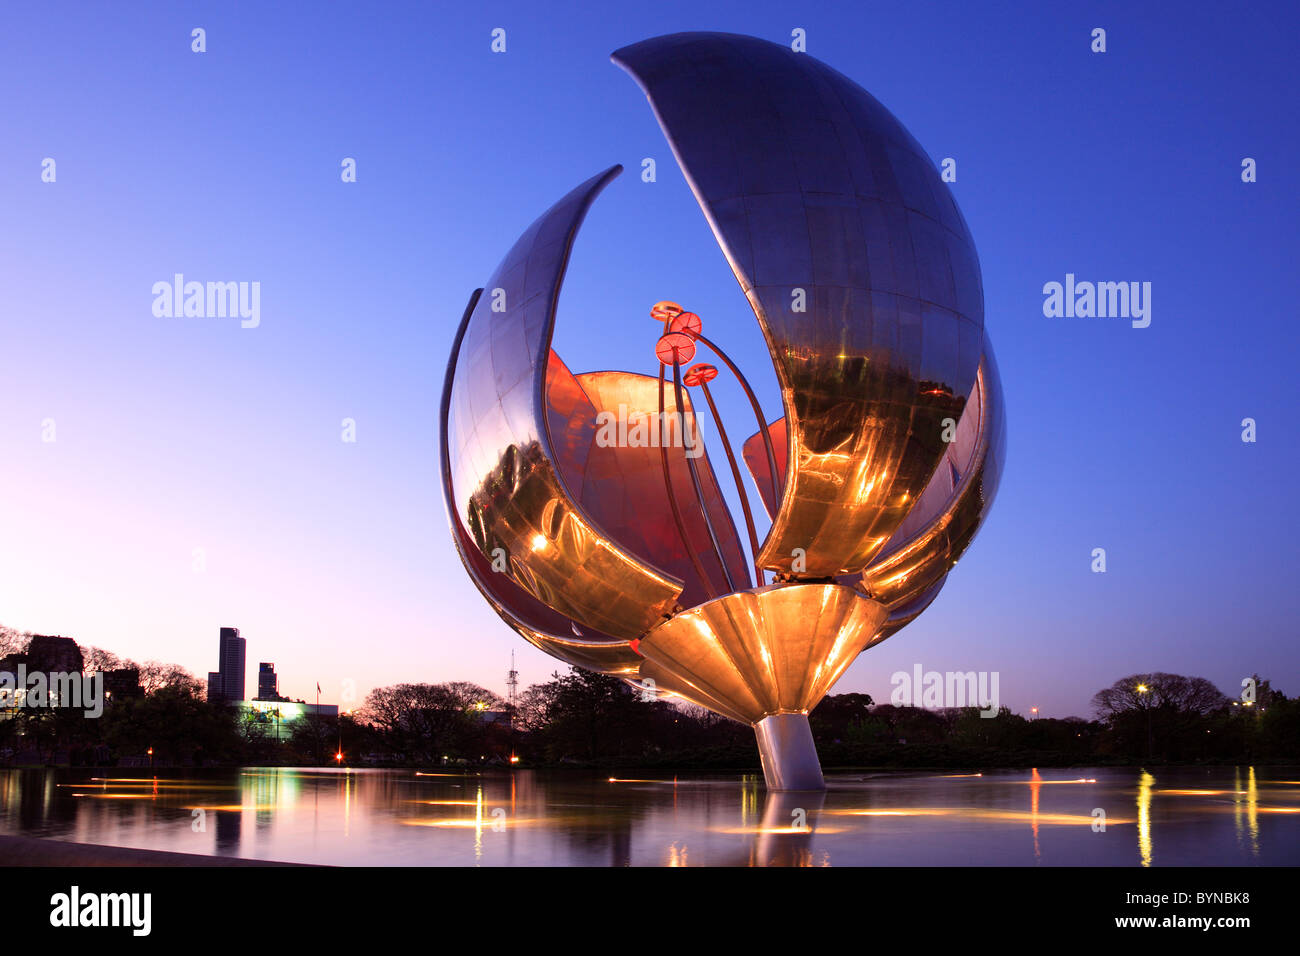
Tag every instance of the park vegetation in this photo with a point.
(580, 719)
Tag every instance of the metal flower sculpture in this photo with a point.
(622, 557)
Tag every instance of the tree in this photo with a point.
(13, 641)
(1143, 710)
(179, 726)
(97, 659)
(428, 721)
(156, 676)
(832, 718)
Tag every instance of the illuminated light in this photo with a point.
(1203, 793)
(472, 823)
(514, 759)
(1277, 809)
(991, 816)
(447, 803)
(539, 542)
(1141, 688)
(172, 785)
(467, 824)
(118, 796)
(1144, 817)
(791, 830)
(946, 775)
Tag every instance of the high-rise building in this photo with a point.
(268, 685)
(214, 686)
(230, 659)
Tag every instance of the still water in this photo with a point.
(1219, 816)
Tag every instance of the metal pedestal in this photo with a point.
(785, 743)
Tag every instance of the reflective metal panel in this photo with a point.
(755, 457)
(505, 486)
(900, 617)
(543, 627)
(789, 753)
(621, 484)
(810, 184)
(770, 650)
(952, 506)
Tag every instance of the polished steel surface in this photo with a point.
(505, 484)
(540, 625)
(789, 756)
(809, 183)
(621, 485)
(755, 455)
(950, 510)
(769, 650)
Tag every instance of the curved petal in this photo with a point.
(953, 505)
(504, 482)
(534, 621)
(900, 617)
(769, 650)
(619, 481)
(813, 188)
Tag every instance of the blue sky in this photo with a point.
(334, 558)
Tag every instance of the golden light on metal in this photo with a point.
(621, 556)
(772, 650)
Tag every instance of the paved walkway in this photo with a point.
(34, 851)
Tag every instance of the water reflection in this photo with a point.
(1229, 816)
(1145, 782)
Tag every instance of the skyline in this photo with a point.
(182, 433)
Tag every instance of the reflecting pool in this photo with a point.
(1090, 817)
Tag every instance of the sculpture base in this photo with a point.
(785, 744)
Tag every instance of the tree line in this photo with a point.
(579, 718)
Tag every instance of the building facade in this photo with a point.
(229, 678)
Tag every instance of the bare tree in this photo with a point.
(155, 675)
(13, 641)
(97, 659)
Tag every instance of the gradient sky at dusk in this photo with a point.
(335, 559)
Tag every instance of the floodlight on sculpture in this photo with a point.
(623, 557)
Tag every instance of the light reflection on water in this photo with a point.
(1208, 816)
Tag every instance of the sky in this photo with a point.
(197, 476)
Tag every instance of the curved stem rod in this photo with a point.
(672, 497)
(740, 484)
(778, 484)
(695, 474)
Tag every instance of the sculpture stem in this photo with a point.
(785, 744)
(672, 498)
(695, 475)
(740, 484)
(777, 483)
